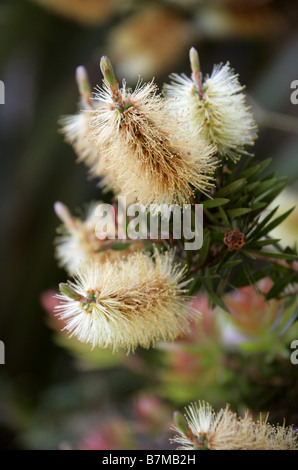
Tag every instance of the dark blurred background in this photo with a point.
(41, 44)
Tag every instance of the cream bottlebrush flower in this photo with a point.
(203, 429)
(269, 437)
(214, 108)
(150, 155)
(75, 127)
(133, 302)
(77, 241)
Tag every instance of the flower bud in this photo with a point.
(83, 86)
(67, 290)
(108, 71)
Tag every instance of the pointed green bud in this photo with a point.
(108, 71)
(180, 422)
(67, 290)
(196, 71)
(194, 60)
(83, 85)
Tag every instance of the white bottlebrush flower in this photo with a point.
(77, 241)
(270, 437)
(214, 108)
(147, 152)
(207, 430)
(75, 127)
(133, 302)
(202, 428)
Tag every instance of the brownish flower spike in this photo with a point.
(148, 154)
(201, 428)
(234, 239)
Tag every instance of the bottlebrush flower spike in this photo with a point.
(133, 302)
(215, 108)
(77, 241)
(204, 429)
(75, 127)
(148, 154)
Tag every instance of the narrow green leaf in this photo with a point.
(231, 188)
(251, 187)
(258, 166)
(248, 254)
(203, 253)
(258, 205)
(264, 164)
(253, 225)
(268, 228)
(271, 194)
(238, 212)
(227, 255)
(271, 241)
(249, 172)
(215, 203)
(224, 217)
(279, 286)
(232, 263)
(215, 298)
(262, 224)
(239, 202)
(211, 217)
(253, 171)
(240, 278)
(262, 187)
(284, 256)
(250, 161)
(269, 176)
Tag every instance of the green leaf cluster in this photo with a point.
(243, 199)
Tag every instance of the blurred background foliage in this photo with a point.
(54, 392)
